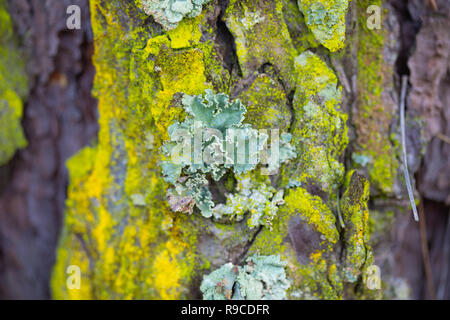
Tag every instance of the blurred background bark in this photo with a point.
(60, 117)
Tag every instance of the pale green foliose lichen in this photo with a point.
(262, 278)
(259, 199)
(326, 20)
(169, 13)
(361, 159)
(211, 141)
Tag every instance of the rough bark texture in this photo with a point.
(118, 226)
(60, 117)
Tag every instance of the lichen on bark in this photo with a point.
(13, 89)
(170, 12)
(119, 227)
(262, 277)
(326, 20)
(376, 148)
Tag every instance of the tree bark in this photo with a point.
(345, 207)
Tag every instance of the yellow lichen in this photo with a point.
(13, 89)
(168, 271)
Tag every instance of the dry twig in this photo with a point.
(405, 159)
(433, 4)
(426, 251)
(443, 138)
(445, 263)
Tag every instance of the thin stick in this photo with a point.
(426, 251)
(341, 75)
(443, 138)
(433, 4)
(339, 211)
(445, 266)
(405, 159)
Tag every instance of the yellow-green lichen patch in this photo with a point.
(302, 38)
(355, 214)
(178, 72)
(376, 107)
(319, 131)
(187, 34)
(168, 270)
(13, 89)
(180, 62)
(326, 20)
(117, 216)
(320, 280)
(266, 104)
(315, 212)
(305, 235)
(79, 167)
(261, 36)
